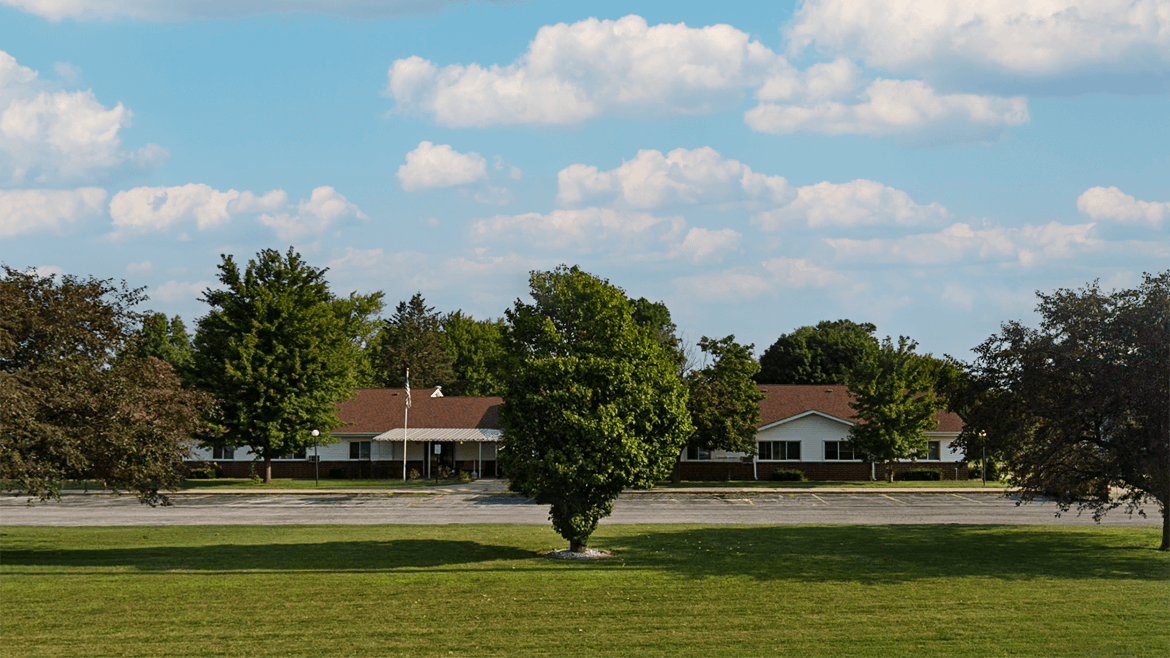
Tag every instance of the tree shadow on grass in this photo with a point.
(336, 556)
(891, 554)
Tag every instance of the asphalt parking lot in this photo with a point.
(495, 507)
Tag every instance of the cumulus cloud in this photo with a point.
(742, 283)
(580, 228)
(321, 210)
(700, 243)
(800, 273)
(31, 211)
(430, 166)
(1028, 245)
(177, 10)
(652, 179)
(153, 209)
(1112, 204)
(1023, 38)
(857, 203)
(894, 107)
(174, 291)
(572, 73)
(145, 266)
(49, 136)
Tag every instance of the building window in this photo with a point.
(839, 451)
(779, 450)
(223, 453)
(295, 455)
(933, 451)
(696, 453)
(359, 449)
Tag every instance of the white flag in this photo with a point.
(408, 388)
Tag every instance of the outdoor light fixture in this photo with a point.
(316, 460)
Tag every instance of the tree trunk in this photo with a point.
(267, 469)
(576, 547)
(1165, 528)
(890, 472)
(676, 474)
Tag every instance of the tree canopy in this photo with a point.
(820, 355)
(1081, 404)
(894, 397)
(413, 338)
(166, 339)
(476, 348)
(593, 401)
(78, 400)
(278, 351)
(723, 399)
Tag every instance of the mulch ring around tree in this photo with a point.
(587, 554)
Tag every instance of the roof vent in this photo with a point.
(828, 390)
(438, 392)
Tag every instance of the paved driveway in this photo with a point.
(488, 507)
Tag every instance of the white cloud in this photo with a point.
(575, 72)
(175, 291)
(1026, 38)
(314, 215)
(700, 243)
(651, 180)
(151, 209)
(733, 286)
(144, 266)
(1113, 204)
(894, 107)
(1028, 245)
(800, 273)
(430, 166)
(580, 228)
(494, 196)
(47, 271)
(857, 203)
(49, 136)
(176, 10)
(29, 211)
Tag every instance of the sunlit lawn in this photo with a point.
(325, 484)
(671, 591)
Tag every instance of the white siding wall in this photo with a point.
(946, 452)
(812, 431)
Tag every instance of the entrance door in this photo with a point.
(442, 454)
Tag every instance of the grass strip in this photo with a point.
(679, 590)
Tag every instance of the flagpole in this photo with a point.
(405, 423)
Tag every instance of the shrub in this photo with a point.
(205, 473)
(923, 474)
(413, 474)
(337, 473)
(788, 475)
(464, 476)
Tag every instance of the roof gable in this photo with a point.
(377, 410)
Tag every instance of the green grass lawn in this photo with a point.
(671, 591)
(850, 484)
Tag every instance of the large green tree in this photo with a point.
(77, 398)
(1079, 408)
(413, 338)
(593, 403)
(278, 351)
(894, 397)
(724, 401)
(476, 348)
(166, 339)
(820, 355)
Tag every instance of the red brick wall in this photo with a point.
(354, 469)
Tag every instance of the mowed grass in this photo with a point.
(672, 590)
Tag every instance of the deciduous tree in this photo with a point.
(476, 348)
(413, 338)
(1080, 407)
(820, 355)
(724, 401)
(278, 351)
(894, 397)
(77, 400)
(593, 403)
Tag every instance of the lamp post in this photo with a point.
(983, 438)
(316, 460)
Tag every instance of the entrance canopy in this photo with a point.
(423, 434)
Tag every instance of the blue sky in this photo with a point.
(922, 165)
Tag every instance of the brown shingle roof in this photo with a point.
(376, 410)
(788, 401)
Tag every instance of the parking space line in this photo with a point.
(966, 498)
(818, 498)
(895, 500)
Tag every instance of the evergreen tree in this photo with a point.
(413, 338)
